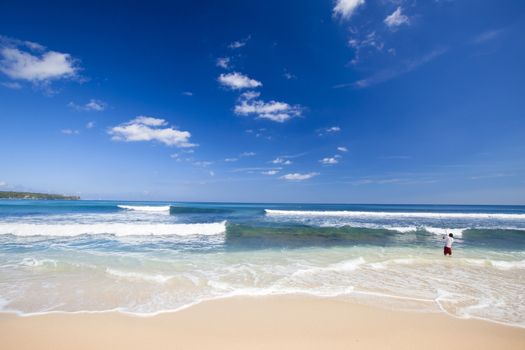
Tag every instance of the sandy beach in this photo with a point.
(286, 322)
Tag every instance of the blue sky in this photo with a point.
(348, 101)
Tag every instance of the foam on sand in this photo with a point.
(157, 278)
(118, 229)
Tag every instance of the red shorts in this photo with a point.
(447, 251)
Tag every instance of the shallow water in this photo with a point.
(149, 257)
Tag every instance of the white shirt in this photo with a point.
(448, 241)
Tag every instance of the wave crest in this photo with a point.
(117, 229)
(146, 208)
(387, 214)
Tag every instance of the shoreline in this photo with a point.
(146, 315)
(290, 321)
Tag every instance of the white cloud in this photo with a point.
(396, 19)
(177, 156)
(389, 74)
(247, 154)
(270, 172)
(149, 121)
(212, 173)
(368, 181)
(342, 149)
(3, 183)
(280, 160)
(12, 85)
(254, 169)
(90, 125)
(239, 43)
(330, 130)
(69, 132)
(92, 105)
(187, 93)
(488, 35)
(370, 41)
(202, 163)
(271, 110)
(491, 176)
(250, 95)
(223, 62)
(346, 8)
(329, 161)
(23, 65)
(33, 46)
(289, 76)
(298, 176)
(95, 105)
(237, 81)
(150, 129)
(242, 155)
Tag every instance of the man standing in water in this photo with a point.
(447, 250)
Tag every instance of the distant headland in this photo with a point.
(34, 195)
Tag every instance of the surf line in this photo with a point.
(443, 223)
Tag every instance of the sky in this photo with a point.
(345, 101)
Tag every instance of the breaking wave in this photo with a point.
(118, 229)
(386, 214)
(147, 208)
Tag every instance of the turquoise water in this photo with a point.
(150, 257)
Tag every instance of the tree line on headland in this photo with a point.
(34, 195)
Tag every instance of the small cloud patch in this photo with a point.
(238, 81)
(249, 104)
(144, 128)
(298, 176)
(329, 160)
(396, 19)
(92, 105)
(69, 132)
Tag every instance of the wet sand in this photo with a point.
(284, 322)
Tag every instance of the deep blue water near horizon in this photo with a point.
(147, 257)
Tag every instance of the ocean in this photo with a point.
(151, 257)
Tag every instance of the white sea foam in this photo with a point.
(157, 278)
(402, 229)
(3, 304)
(32, 262)
(497, 264)
(458, 232)
(146, 208)
(343, 266)
(415, 282)
(384, 264)
(508, 265)
(347, 265)
(382, 214)
(119, 229)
